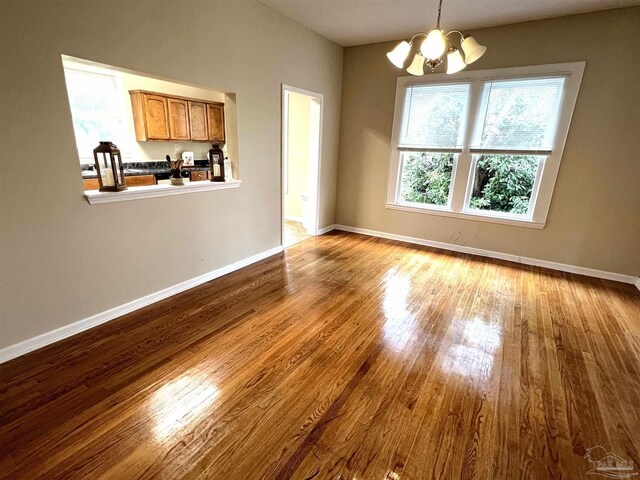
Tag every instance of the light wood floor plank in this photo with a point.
(346, 357)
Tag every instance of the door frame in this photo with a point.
(319, 98)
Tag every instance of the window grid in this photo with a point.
(468, 154)
(472, 127)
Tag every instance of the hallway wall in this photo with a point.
(297, 154)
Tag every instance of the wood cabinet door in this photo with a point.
(91, 184)
(139, 180)
(156, 117)
(178, 119)
(215, 117)
(199, 175)
(198, 121)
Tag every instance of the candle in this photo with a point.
(107, 177)
(216, 170)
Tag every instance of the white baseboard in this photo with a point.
(590, 272)
(323, 230)
(15, 350)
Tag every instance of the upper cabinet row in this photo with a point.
(160, 117)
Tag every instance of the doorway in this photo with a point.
(301, 148)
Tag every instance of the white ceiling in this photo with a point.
(357, 22)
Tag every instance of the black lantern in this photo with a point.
(109, 167)
(216, 162)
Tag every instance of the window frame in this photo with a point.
(465, 157)
(126, 150)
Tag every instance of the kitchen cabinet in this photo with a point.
(198, 126)
(178, 119)
(215, 118)
(161, 117)
(140, 180)
(198, 175)
(133, 181)
(150, 116)
(91, 184)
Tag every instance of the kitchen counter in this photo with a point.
(160, 169)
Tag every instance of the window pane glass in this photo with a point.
(520, 114)
(433, 115)
(91, 93)
(89, 133)
(96, 110)
(503, 183)
(426, 177)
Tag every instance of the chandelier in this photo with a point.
(433, 48)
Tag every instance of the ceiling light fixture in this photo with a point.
(433, 48)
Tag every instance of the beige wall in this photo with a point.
(61, 259)
(594, 219)
(297, 154)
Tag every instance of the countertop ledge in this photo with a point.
(95, 197)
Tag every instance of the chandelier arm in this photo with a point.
(417, 34)
(456, 31)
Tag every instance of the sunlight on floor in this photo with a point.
(179, 403)
(473, 356)
(294, 233)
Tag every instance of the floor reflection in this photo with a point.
(180, 402)
(399, 325)
(294, 232)
(473, 357)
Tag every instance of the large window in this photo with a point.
(95, 98)
(485, 145)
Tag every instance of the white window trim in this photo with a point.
(462, 170)
(70, 64)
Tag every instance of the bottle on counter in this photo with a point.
(228, 173)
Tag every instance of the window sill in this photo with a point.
(95, 197)
(467, 216)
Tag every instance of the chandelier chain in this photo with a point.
(439, 13)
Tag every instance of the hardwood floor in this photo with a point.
(346, 357)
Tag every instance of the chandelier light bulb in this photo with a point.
(434, 45)
(398, 55)
(472, 50)
(455, 62)
(417, 66)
